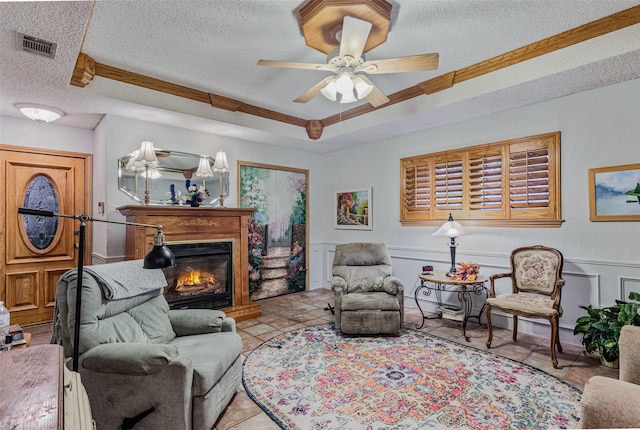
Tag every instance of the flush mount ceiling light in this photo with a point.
(39, 113)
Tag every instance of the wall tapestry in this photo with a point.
(614, 193)
(278, 233)
(353, 209)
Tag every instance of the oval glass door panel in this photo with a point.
(41, 194)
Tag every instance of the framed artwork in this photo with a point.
(353, 209)
(614, 193)
(278, 229)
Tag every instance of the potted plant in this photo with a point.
(600, 328)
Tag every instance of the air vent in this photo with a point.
(36, 45)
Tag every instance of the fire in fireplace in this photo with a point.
(202, 276)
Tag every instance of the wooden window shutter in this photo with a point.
(448, 184)
(416, 189)
(532, 178)
(485, 184)
(515, 182)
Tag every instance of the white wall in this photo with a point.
(598, 128)
(602, 259)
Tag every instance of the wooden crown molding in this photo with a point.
(86, 68)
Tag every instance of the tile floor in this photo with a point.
(285, 313)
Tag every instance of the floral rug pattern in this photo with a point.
(316, 378)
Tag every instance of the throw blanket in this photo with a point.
(124, 279)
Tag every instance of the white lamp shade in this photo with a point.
(362, 88)
(204, 167)
(451, 228)
(344, 83)
(147, 153)
(348, 98)
(330, 91)
(221, 164)
(132, 164)
(39, 113)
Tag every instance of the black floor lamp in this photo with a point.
(159, 257)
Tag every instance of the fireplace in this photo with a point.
(204, 224)
(202, 276)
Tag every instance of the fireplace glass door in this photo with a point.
(202, 276)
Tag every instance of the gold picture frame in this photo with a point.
(614, 193)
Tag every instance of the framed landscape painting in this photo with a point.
(278, 228)
(614, 193)
(353, 209)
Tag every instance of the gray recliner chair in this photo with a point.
(368, 299)
(137, 356)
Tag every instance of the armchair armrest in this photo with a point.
(609, 403)
(629, 344)
(338, 282)
(186, 322)
(129, 358)
(492, 278)
(393, 285)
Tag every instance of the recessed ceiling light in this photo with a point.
(39, 113)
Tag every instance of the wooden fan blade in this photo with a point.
(376, 97)
(412, 63)
(293, 65)
(355, 33)
(313, 91)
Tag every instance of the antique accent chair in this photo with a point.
(368, 299)
(613, 403)
(536, 284)
(143, 364)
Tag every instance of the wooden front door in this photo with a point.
(37, 250)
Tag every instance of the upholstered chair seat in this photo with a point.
(368, 299)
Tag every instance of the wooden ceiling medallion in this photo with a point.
(321, 19)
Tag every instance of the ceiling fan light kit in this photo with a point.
(352, 36)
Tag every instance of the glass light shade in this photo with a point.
(204, 167)
(39, 113)
(344, 84)
(221, 164)
(451, 229)
(363, 89)
(147, 153)
(348, 98)
(330, 91)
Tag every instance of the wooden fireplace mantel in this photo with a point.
(185, 224)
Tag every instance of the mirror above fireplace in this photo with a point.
(173, 168)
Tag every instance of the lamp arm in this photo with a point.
(83, 218)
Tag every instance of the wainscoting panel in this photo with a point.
(598, 283)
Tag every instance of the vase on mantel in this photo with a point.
(195, 203)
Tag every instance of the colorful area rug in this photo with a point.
(316, 378)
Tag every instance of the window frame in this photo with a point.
(432, 186)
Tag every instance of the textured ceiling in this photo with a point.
(213, 46)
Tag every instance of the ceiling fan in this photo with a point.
(350, 82)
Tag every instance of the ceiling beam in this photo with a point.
(86, 68)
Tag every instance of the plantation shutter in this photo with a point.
(416, 191)
(515, 182)
(448, 178)
(485, 184)
(530, 181)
